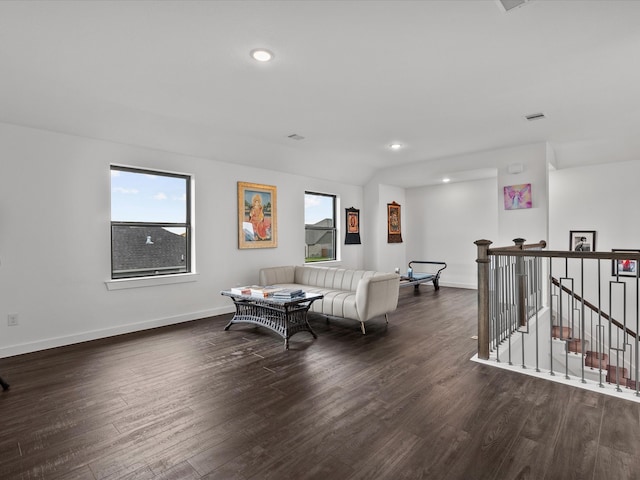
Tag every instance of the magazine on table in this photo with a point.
(289, 293)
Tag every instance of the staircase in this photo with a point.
(521, 288)
(593, 360)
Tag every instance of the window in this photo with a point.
(319, 227)
(150, 223)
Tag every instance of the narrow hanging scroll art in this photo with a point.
(353, 226)
(394, 232)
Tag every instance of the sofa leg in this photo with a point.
(362, 328)
(386, 317)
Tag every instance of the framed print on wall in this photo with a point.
(352, 236)
(582, 240)
(394, 230)
(257, 216)
(624, 267)
(517, 196)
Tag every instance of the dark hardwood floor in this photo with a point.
(403, 402)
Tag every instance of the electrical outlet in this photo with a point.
(12, 319)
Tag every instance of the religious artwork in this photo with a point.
(394, 230)
(352, 236)
(582, 240)
(257, 226)
(517, 196)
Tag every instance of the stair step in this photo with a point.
(560, 332)
(576, 345)
(596, 360)
(617, 375)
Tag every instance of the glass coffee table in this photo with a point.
(286, 317)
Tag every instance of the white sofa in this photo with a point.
(355, 294)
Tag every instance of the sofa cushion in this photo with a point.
(331, 278)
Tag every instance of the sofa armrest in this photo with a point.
(276, 275)
(377, 295)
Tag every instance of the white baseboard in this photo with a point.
(458, 285)
(62, 341)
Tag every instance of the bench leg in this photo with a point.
(435, 284)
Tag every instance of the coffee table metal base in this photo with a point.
(285, 319)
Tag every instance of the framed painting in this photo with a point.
(624, 267)
(352, 236)
(582, 240)
(257, 216)
(394, 227)
(517, 196)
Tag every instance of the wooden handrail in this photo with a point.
(520, 245)
(517, 252)
(593, 308)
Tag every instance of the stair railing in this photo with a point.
(515, 283)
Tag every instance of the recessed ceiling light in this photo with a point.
(446, 180)
(261, 55)
(395, 146)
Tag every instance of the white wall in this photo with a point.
(603, 198)
(379, 254)
(532, 224)
(55, 238)
(445, 220)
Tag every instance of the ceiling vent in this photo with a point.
(535, 116)
(295, 136)
(506, 5)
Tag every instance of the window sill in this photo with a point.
(324, 263)
(126, 283)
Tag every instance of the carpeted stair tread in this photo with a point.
(596, 360)
(560, 332)
(576, 345)
(617, 375)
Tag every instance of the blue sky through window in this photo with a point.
(317, 208)
(142, 197)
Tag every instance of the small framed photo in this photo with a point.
(624, 267)
(257, 221)
(582, 240)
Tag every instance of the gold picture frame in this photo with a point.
(257, 216)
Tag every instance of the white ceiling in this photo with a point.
(444, 78)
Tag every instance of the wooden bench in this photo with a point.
(423, 271)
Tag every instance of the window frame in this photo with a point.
(187, 225)
(333, 229)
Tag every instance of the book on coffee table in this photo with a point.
(263, 291)
(288, 293)
(241, 290)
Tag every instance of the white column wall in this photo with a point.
(532, 224)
